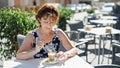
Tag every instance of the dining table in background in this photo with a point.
(104, 22)
(100, 31)
(109, 17)
(74, 62)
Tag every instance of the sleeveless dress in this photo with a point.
(52, 45)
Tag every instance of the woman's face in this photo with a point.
(47, 21)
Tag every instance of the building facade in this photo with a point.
(28, 3)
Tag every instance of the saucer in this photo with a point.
(47, 62)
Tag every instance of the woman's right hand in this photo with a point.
(39, 45)
(62, 57)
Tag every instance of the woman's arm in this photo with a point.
(71, 50)
(24, 51)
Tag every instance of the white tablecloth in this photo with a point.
(75, 62)
(104, 22)
(108, 17)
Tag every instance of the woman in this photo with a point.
(37, 42)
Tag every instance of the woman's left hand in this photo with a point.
(62, 56)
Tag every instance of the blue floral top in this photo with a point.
(53, 45)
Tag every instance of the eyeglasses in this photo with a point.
(47, 21)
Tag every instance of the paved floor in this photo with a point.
(93, 57)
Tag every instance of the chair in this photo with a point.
(116, 53)
(76, 36)
(116, 49)
(107, 66)
(74, 25)
(91, 17)
(20, 39)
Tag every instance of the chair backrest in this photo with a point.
(20, 39)
(74, 26)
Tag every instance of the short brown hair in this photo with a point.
(48, 8)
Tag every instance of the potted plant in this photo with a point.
(91, 10)
(65, 14)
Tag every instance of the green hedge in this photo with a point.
(12, 22)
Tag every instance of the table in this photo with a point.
(108, 17)
(73, 21)
(100, 31)
(104, 22)
(74, 62)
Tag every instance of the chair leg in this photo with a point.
(86, 49)
(113, 55)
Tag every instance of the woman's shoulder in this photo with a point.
(30, 33)
(60, 32)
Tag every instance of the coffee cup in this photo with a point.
(87, 27)
(108, 30)
(51, 57)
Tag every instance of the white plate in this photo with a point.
(50, 63)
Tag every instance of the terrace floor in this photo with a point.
(93, 51)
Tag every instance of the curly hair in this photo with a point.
(48, 8)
